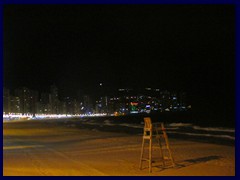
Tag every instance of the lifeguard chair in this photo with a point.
(155, 131)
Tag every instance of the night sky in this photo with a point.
(187, 48)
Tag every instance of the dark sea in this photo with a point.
(178, 125)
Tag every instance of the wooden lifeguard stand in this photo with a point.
(157, 131)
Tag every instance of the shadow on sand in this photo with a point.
(184, 163)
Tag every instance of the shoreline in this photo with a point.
(185, 131)
(166, 117)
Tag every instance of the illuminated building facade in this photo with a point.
(121, 102)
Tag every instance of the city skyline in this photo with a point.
(177, 47)
(123, 101)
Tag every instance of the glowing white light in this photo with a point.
(19, 116)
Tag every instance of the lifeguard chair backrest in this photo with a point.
(147, 122)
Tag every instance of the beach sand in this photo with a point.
(49, 148)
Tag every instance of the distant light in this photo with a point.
(148, 111)
(134, 103)
(100, 84)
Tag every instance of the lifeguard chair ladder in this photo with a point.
(157, 131)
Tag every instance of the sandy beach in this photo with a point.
(48, 148)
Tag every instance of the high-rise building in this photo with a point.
(6, 101)
(45, 98)
(63, 108)
(69, 105)
(28, 100)
(45, 106)
(34, 99)
(15, 104)
(87, 104)
(24, 96)
(54, 101)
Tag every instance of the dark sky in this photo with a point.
(177, 47)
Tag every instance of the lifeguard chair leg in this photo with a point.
(168, 148)
(150, 155)
(142, 151)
